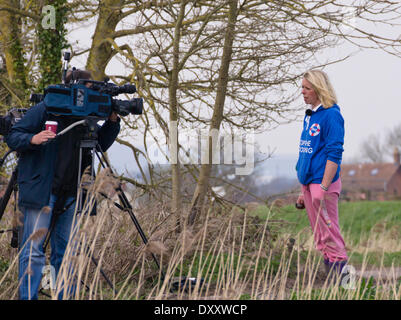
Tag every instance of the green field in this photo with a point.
(375, 226)
(238, 256)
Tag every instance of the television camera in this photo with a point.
(83, 97)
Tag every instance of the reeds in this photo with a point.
(236, 255)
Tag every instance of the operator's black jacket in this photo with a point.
(37, 163)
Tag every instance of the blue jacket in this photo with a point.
(322, 139)
(36, 165)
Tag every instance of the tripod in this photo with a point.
(90, 141)
(11, 187)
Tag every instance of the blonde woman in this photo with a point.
(318, 167)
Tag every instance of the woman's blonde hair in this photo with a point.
(322, 86)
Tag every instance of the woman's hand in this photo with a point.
(320, 195)
(300, 204)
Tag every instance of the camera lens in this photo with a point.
(125, 107)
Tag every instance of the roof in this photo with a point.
(369, 176)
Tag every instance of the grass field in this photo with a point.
(266, 253)
(369, 228)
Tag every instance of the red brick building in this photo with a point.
(372, 181)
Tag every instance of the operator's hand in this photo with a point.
(42, 137)
(113, 116)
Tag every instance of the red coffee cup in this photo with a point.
(52, 126)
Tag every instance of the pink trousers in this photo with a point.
(323, 217)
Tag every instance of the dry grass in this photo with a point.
(236, 256)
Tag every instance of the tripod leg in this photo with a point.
(79, 201)
(49, 232)
(57, 211)
(126, 206)
(15, 237)
(10, 188)
(95, 262)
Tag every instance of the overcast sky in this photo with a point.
(367, 85)
(368, 89)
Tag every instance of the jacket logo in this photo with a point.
(307, 119)
(314, 129)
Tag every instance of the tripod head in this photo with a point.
(90, 125)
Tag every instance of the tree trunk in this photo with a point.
(101, 51)
(199, 196)
(10, 30)
(174, 146)
(51, 42)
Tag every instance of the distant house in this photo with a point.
(372, 181)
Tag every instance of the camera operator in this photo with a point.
(47, 179)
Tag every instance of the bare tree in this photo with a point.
(274, 42)
(216, 65)
(378, 148)
(218, 110)
(393, 137)
(373, 150)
